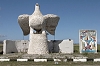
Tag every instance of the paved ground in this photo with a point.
(29, 56)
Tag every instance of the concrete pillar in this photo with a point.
(38, 43)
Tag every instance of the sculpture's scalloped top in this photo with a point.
(50, 21)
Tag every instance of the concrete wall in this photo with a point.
(22, 45)
(60, 46)
(55, 46)
(66, 46)
(10, 46)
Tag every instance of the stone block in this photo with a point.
(40, 60)
(81, 60)
(96, 60)
(4, 59)
(22, 59)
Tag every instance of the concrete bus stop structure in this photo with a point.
(37, 26)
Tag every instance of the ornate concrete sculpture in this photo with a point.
(37, 25)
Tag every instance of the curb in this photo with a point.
(55, 60)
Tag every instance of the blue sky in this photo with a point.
(74, 15)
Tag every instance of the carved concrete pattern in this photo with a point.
(38, 44)
(37, 25)
(23, 21)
